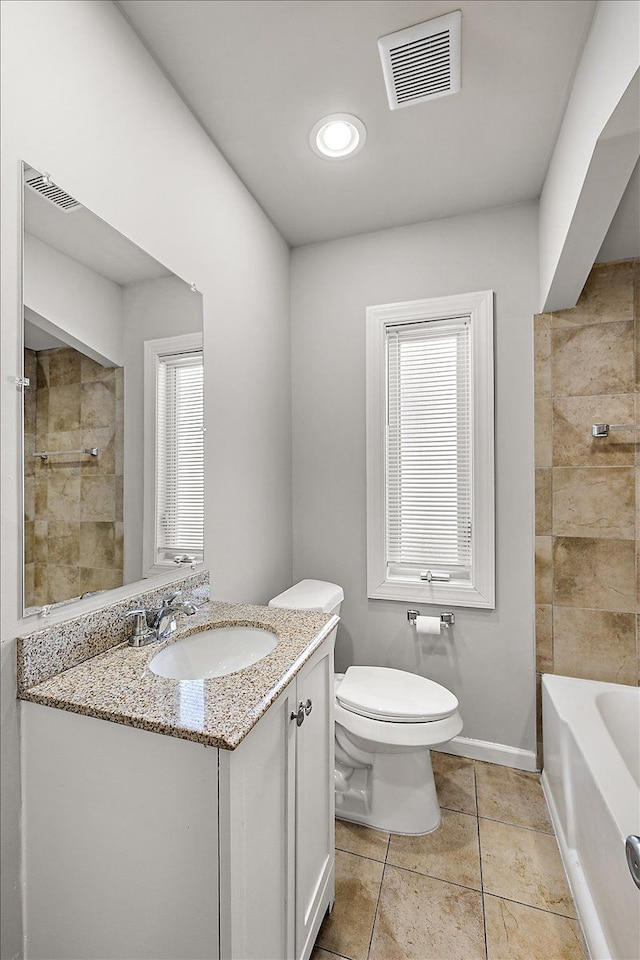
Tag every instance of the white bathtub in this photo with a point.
(591, 780)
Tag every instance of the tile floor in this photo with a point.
(487, 885)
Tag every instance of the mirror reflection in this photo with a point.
(113, 414)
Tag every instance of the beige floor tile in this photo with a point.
(420, 918)
(450, 853)
(320, 954)
(524, 865)
(364, 841)
(455, 782)
(517, 932)
(347, 930)
(513, 796)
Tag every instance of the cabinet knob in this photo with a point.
(308, 707)
(299, 716)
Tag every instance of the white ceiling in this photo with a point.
(259, 73)
(84, 237)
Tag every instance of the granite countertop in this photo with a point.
(117, 684)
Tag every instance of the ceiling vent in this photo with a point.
(422, 62)
(44, 185)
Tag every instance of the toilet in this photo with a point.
(386, 722)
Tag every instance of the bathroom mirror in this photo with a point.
(113, 406)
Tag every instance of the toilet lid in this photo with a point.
(385, 694)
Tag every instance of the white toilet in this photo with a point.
(386, 722)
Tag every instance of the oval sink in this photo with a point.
(213, 653)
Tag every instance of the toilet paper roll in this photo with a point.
(428, 625)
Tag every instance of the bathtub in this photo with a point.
(591, 780)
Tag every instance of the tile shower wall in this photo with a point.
(587, 493)
(73, 504)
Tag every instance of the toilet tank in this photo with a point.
(311, 595)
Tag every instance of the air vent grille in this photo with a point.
(422, 62)
(47, 189)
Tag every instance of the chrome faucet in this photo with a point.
(158, 624)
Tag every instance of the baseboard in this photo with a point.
(491, 752)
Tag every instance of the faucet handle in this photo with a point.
(141, 633)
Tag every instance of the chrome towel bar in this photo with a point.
(45, 454)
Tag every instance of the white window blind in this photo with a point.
(429, 448)
(179, 456)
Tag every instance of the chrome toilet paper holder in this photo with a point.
(446, 619)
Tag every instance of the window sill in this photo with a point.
(453, 594)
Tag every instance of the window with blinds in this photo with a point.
(428, 448)
(179, 457)
(430, 470)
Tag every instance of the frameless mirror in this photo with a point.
(113, 408)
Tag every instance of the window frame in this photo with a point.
(153, 350)
(479, 591)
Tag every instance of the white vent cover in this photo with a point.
(422, 62)
(47, 189)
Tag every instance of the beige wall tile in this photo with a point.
(543, 432)
(419, 917)
(542, 355)
(118, 539)
(29, 588)
(361, 840)
(98, 498)
(594, 502)
(97, 544)
(64, 582)
(544, 569)
(40, 585)
(63, 542)
(347, 930)
(105, 463)
(64, 367)
(64, 408)
(544, 638)
(98, 404)
(518, 932)
(607, 297)
(43, 369)
(99, 578)
(512, 796)
(594, 644)
(543, 500)
(41, 540)
(90, 370)
(592, 573)
(63, 497)
(29, 498)
(593, 360)
(29, 541)
(455, 782)
(449, 853)
(524, 865)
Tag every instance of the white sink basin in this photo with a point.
(213, 653)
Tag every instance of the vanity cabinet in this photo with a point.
(140, 846)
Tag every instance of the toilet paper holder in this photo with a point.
(446, 619)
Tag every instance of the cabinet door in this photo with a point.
(314, 829)
(256, 839)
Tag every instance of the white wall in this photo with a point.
(75, 299)
(165, 307)
(488, 659)
(591, 165)
(82, 99)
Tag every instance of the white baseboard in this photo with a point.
(490, 752)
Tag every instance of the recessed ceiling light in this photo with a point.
(338, 136)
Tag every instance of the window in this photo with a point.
(174, 383)
(430, 510)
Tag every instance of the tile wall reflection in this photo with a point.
(73, 503)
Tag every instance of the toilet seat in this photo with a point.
(395, 696)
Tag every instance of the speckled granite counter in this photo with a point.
(117, 684)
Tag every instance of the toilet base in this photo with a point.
(396, 793)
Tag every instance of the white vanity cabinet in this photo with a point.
(140, 846)
(277, 807)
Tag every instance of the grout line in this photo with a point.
(520, 826)
(552, 913)
(375, 915)
(484, 915)
(431, 876)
